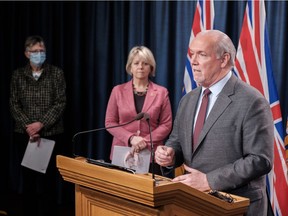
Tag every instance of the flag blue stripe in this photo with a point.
(250, 10)
(273, 94)
(201, 3)
(189, 70)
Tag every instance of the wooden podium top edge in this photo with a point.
(78, 171)
(90, 171)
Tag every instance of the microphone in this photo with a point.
(147, 118)
(138, 117)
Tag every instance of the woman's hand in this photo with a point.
(138, 143)
(34, 128)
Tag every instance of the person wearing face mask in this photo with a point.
(37, 103)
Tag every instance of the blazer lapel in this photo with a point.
(150, 97)
(129, 101)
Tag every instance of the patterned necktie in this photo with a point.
(201, 117)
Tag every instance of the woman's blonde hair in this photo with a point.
(142, 52)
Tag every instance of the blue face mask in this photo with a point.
(37, 58)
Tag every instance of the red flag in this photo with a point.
(286, 141)
(203, 19)
(253, 65)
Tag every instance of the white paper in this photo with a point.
(37, 155)
(139, 161)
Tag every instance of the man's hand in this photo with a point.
(164, 156)
(194, 178)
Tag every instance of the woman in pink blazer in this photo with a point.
(139, 95)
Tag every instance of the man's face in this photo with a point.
(204, 62)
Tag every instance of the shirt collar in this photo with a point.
(217, 87)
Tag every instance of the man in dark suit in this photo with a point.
(234, 150)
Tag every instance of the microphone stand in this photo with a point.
(139, 116)
(147, 117)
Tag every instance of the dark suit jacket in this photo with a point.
(235, 147)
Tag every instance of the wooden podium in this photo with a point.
(104, 191)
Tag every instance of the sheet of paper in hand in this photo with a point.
(139, 161)
(38, 154)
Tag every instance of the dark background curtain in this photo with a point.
(91, 41)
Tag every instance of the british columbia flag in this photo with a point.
(203, 20)
(253, 65)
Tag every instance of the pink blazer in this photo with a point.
(121, 109)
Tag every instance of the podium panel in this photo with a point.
(104, 191)
(93, 202)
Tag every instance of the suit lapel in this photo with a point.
(190, 115)
(219, 107)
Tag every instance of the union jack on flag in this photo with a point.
(203, 20)
(253, 65)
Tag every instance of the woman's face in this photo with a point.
(140, 69)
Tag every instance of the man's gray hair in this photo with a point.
(222, 44)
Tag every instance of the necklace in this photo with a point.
(140, 93)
